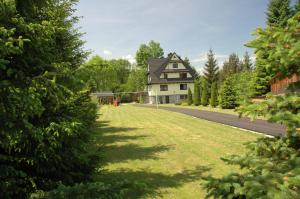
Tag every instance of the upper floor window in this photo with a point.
(163, 87)
(183, 75)
(183, 86)
(165, 75)
(175, 65)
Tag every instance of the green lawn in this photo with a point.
(170, 152)
(204, 108)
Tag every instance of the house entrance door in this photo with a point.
(167, 99)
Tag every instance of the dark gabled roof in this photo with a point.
(157, 66)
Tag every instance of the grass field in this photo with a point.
(204, 108)
(168, 151)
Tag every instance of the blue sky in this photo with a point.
(116, 28)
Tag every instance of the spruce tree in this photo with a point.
(204, 93)
(246, 63)
(211, 69)
(196, 93)
(278, 12)
(190, 97)
(44, 122)
(214, 95)
(228, 95)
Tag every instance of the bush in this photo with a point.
(214, 95)
(178, 103)
(125, 98)
(190, 97)
(270, 170)
(228, 96)
(95, 190)
(196, 94)
(204, 96)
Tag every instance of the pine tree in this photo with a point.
(228, 95)
(211, 69)
(190, 97)
(214, 95)
(196, 93)
(246, 63)
(204, 93)
(278, 12)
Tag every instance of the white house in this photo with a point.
(169, 79)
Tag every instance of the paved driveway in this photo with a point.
(260, 126)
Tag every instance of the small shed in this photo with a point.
(105, 97)
(281, 85)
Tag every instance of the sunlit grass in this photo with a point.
(168, 151)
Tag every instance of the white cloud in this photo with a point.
(130, 58)
(107, 52)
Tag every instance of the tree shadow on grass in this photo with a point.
(123, 153)
(153, 181)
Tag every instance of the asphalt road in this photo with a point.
(260, 126)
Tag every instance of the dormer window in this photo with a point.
(165, 75)
(175, 65)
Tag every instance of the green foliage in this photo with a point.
(178, 103)
(280, 109)
(246, 64)
(136, 80)
(141, 99)
(228, 95)
(204, 92)
(214, 95)
(190, 97)
(278, 12)
(106, 75)
(196, 93)
(145, 52)
(278, 48)
(211, 69)
(270, 170)
(44, 129)
(244, 85)
(271, 165)
(95, 190)
(230, 67)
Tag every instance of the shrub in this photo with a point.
(95, 190)
(204, 96)
(214, 95)
(196, 94)
(228, 96)
(190, 97)
(178, 103)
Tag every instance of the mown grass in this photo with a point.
(204, 108)
(169, 152)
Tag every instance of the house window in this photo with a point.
(165, 75)
(183, 75)
(175, 65)
(163, 87)
(183, 97)
(183, 86)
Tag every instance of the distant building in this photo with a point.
(105, 97)
(281, 85)
(169, 79)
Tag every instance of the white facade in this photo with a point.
(173, 93)
(169, 91)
